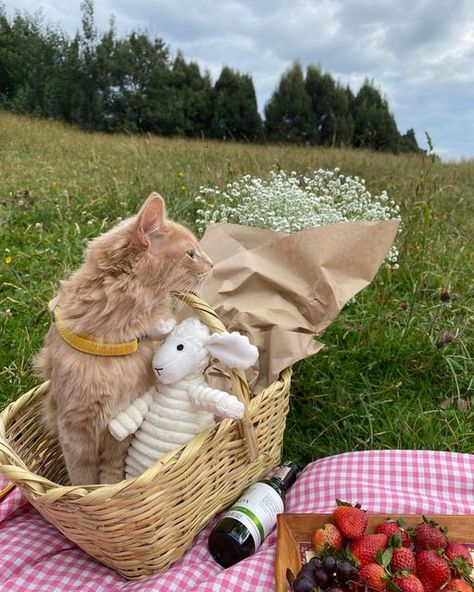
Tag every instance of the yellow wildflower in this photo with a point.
(8, 259)
(183, 187)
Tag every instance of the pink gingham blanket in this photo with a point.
(35, 557)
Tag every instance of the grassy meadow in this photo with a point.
(387, 378)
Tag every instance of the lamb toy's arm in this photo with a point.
(128, 422)
(215, 401)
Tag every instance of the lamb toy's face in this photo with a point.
(178, 357)
(189, 347)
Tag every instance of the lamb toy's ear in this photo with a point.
(232, 349)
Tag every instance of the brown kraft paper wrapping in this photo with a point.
(283, 289)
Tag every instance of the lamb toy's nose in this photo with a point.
(157, 371)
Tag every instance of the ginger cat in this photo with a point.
(119, 293)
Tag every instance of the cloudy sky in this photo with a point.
(420, 53)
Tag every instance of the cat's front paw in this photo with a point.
(162, 327)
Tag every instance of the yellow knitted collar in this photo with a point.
(86, 344)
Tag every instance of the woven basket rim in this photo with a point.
(88, 493)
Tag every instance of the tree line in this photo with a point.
(134, 84)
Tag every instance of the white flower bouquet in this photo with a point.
(291, 203)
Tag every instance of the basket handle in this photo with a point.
(240, 386)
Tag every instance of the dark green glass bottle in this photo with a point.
(245, 525)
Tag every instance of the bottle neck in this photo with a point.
(285, 476)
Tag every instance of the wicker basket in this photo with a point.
(142, 525)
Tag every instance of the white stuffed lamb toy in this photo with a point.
(181, 404)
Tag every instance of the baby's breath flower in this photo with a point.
(288, 202)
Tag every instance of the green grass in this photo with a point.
(380, 382)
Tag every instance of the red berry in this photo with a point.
(351, 520)
(403, 558)
(390, 527)
(326, 539)
(432, 570)
(373, 576)
(454, 550)
(458, 585)
(408, 583)
(364, 550)
(429, 535)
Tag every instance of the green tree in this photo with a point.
(10, 77)
(234, 106)
(408, 142)
(330, 104)
(92, 101)
(138, 88)
(28, 59)
(288, 114)
(375, 126)
(191, 96)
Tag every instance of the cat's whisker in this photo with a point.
(188, 286)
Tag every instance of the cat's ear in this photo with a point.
(151, 218)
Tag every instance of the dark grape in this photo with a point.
(329, 564)
(344, 571)
(315, 562)
(303, 584)
(321, 578)
(307, 569)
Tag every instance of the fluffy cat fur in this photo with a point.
(120, 292)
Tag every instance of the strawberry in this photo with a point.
(454, 550)
(408, 582)
(365, 549)
(432, 570)
(390, 527)
(326, 539)
(350, 520)
(458, 585)
(373, 576)
(429, 535)
(403, 558)
(459, 558)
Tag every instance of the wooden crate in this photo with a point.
(294, 529)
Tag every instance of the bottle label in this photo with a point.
(257, 509)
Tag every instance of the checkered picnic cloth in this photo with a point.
(35, 557)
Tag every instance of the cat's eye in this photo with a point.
(180, 347)
(190, 253)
